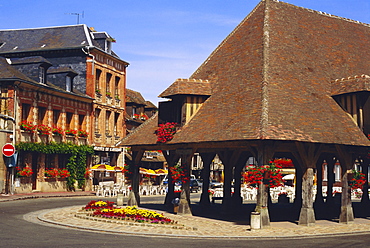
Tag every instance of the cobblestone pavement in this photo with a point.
(199, 227)
(190, 226)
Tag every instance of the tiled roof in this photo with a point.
(61, 69)
(134, 97)
(350, 84)
(7, 72)
(48, 38)
(272, 79)
(150, 105)
(188, 87)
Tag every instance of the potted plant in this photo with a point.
(108, 94)
(82, 133)
(25, 172)
(43, 129)
(71, 132)
(52, 173)
(27, 126)
(57, 131)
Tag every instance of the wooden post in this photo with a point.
(207, 160)
(329, 196)
(346, 162)
(184, 206)
(307, 215)
(229, 159)
(319, 201)
(308, 155)
(265, 152)
(134, 196)
(172, 158)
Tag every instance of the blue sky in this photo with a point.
(164, 39)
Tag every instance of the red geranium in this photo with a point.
(165, 132)
(269, 175)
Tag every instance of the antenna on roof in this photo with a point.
(78, 16)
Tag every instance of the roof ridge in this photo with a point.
(351, 78)
(326, 14)
(62, 26)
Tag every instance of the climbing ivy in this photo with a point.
(76, 162)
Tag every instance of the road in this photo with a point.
(15, 231)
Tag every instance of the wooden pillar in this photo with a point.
(184, 206)
(346, 161)
(308, 154)
(307, 214)
(172, 158)
(134, 196)
(365, 169)
(236, 197)
(319, 201)
(207, 160)
(229, 159)
(265, 152)
(329, 196)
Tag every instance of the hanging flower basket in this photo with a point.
(356, 179)
(270, 175)
(165, 132)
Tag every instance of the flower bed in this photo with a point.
(106, 209)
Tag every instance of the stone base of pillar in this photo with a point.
(307, 217)
(184, 207)
(132, 200)
(346, 215)
(265, 217)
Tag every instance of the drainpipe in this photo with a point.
(90, 60)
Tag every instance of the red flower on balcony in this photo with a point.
(43, 129)
(27, 126)
(71, 132)
(82, 133)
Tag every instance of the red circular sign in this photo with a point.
(8, 150)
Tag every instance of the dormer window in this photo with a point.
(68, 84)
(42, 75)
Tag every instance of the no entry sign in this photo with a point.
(8, 150)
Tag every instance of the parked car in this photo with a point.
(215, 184)
(194, 186)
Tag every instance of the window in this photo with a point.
(56, 115)
(69, 117)
(116, 117)
(81, 122)
(41, 115)
(107, 117)
(116, 87)
(41, 75)
(26, 108)
(97, 80)
(108, 78)
(97, 115)
(68, 84)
